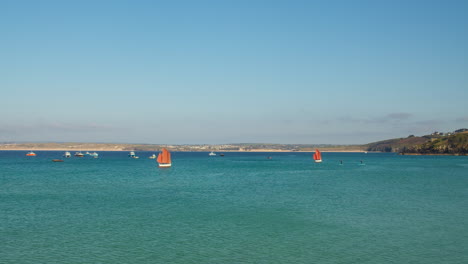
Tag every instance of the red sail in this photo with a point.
(164, 156)
(317, 155)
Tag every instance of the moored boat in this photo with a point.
(317, 156)
(67, 154)
(79, 154)
(30, 154)
(164, 159)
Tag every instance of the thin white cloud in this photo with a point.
(398, 116)
(392, 117)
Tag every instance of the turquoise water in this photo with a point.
(240, 208)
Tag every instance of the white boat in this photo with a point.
(67, 154)
(212, 154)
(132, 155)
(152, 156)
(94, 155)
(79, 154)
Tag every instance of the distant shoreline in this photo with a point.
(71, 146)
(429, 154)
(3, 148)
(218, 151)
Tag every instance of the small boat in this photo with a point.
(152, 156)
(67, 154)
(31, 154)
(222, 155)
(164, 159)
(79, 154)
(94, 155)
(132, 155)
(57, 160)
(317, 156)
(212, 154)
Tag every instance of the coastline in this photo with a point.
(430, 154)
(123, 147)
(219, 151)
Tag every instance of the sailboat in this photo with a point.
(164, 159)
(317, 156)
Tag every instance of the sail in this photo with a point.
(164, 156)
(317, 155)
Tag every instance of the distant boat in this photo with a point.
(317, 156)
(212, 154)
(152, 156)
(57, 160)
(94, 155)
(67, 154)
(79, 154)
(164, 159)
(132, 155)
(31, 154)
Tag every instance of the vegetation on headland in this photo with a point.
(452, 143)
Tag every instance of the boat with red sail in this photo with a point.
(164, 159)
(317, 156)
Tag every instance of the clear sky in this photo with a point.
(233, 71)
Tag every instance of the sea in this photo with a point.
(238, 208)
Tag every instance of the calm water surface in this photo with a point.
(240, 208)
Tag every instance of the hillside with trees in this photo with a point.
(456, 144)
(453, 143)
(397, 144)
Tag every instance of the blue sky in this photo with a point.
(193, 72)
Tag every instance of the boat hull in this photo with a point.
(164, 165)
(318, 161)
